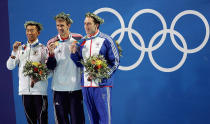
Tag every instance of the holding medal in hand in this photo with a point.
(15, 48)
(66, 87)
(51, 47)
(98, 56)
(16, 45)
(30, 58)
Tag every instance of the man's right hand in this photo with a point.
(51, 48)
(16, 45)
(33, 81)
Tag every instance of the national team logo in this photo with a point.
(97, 45)
(35, 53)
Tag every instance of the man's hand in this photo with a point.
(13, 57)
(90, 78)
(33, 81)
(16, 45)
(73, 47)
(51, 48)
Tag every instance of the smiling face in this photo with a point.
(32, 33)
(90, 26)
(62, 27)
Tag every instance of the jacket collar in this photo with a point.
(34, 44)
(60, 39)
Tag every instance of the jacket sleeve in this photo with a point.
(76, 59)
(112, 55)
(44, 54)
(51, 62)
(12, 62)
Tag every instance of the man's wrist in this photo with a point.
(13, 57)
(14, 53)
(51, 54)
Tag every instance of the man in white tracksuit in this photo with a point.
(66, 86)
(34, 98)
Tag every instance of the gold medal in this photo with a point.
(56, 43)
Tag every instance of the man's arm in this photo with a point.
(51, 60)
(14, 58)
(112, 55)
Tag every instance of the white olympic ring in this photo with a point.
(162, 32)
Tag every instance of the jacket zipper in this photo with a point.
(29, 77)
(90, 55)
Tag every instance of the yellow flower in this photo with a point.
(36, 64)
(104, 65)
(98, 62)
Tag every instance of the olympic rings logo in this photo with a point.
(162, 32)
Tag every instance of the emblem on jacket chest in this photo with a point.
(98, 45)
(35, 53)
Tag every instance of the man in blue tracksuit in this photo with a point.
(97, 95)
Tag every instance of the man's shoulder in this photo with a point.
(76, 36)
(105, 36)
(41, 45)
(53, 39)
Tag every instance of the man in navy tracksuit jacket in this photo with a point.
(97, 95)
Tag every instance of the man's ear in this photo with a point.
(97, 25)
(69, 25)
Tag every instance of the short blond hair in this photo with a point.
(65, 17)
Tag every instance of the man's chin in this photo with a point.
(31, 39)
(88, 33)
(61, 33)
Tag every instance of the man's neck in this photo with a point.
(93, 34)
(31, 42)
(65, 35)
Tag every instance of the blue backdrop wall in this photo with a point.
(163, 76)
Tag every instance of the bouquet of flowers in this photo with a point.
(96, 67)
(36, 71)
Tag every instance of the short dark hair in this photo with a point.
(33, 23)
(96, 19)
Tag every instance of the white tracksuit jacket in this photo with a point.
(35, 52)
(66, 75)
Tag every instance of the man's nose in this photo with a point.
(59, 27)
(29, 32)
